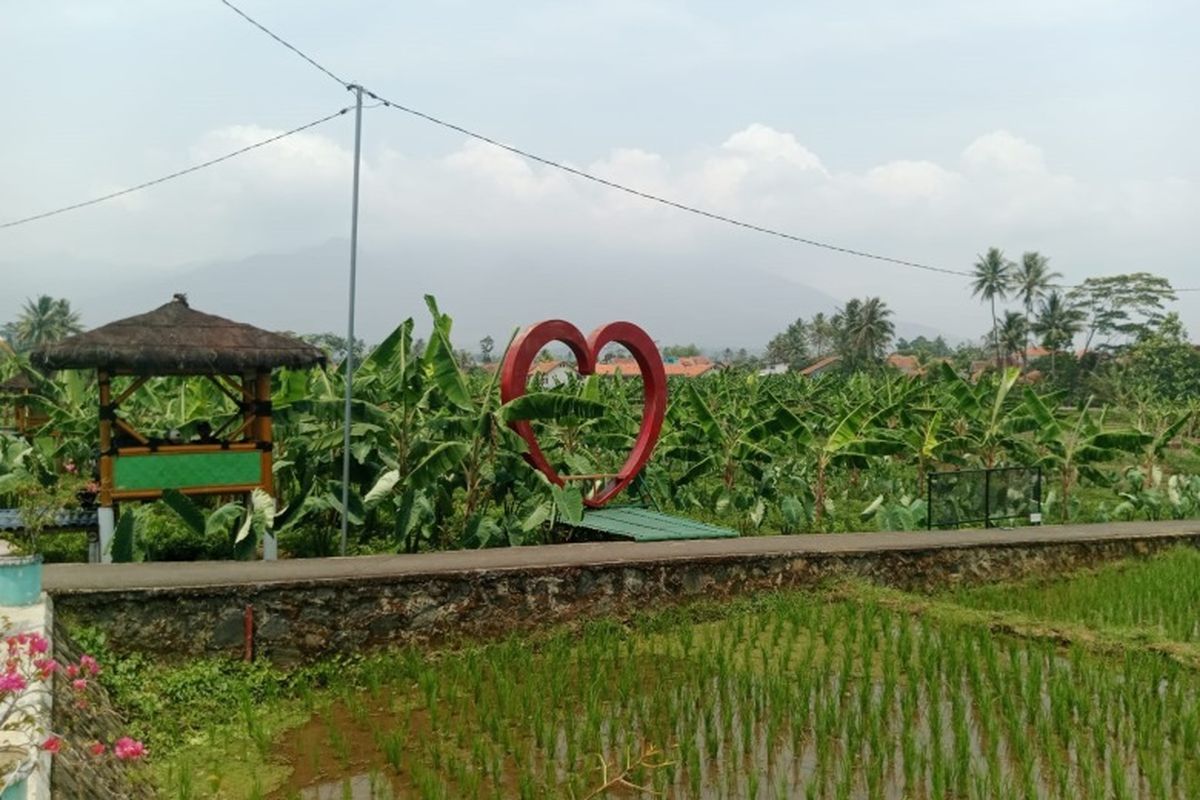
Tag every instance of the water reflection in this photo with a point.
(369, 786)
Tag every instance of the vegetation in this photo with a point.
(1036, 690)
(43, 320)
(434, 464)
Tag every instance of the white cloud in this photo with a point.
(1001, 151)
(763, 144)
(1003, 191)
(907, 180)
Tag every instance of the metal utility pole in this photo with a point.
(348, 362)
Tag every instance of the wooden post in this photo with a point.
(262, 431)
(106, 514)
(248, 406)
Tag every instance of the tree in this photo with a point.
(335, 346)
(1032, 280)
(821, 335)
(680, 351)
(924, 349)
(486, 345)
(44, 320)
(863, 332)
(1058, 322)
(1129, 305)
(1164, 362)
(790, 347)
(992, 280)
(1014, 335)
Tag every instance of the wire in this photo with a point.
(173, 175)
(549, 162)
(689, 208)
(283, 42)
(663, 200)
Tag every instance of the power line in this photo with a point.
(549, 162)
(284, 42)
(663, 200)
(173, 175)
(684, 206)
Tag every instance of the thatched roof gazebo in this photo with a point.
(175, 339)
(20, 406)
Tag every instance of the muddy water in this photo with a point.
(841, 720)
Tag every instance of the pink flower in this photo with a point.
(46, 667)
(70, 467)
(89, 665)
(72, 671)
(79, 685)
(128, 749)
(12, 682)
(52, 744)
(38, 644)
(97, 749)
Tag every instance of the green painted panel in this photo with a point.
(184, 470)
(644, 525)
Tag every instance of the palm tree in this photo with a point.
(1032, 280)
(821, 334)
(992, 281)
(45, 320)
(864, 330)
(1057, 324)
(1014, 335)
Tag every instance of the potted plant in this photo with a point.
(20, 579)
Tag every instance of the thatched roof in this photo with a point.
(176, 339)
(17, 384)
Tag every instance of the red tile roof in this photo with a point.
(909, 365)
(689, 367)
(820, 365)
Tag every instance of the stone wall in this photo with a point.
(301, 619)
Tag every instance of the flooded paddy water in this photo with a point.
(853, 694)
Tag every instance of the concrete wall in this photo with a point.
(342, 605)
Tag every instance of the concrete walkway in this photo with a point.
(62, 579)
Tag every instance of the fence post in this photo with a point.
(1037, 495)
(929, 502)
(987, 498)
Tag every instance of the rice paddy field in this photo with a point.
(1084, 687)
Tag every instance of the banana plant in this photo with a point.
(738, 439)
(1074, 448)
(986, 425)
(853, 438)
(255, 521)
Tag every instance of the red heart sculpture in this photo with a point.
(515, 374)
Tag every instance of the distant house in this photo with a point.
(553, 373)
(773, 369)
(821, 366)
(687, 367)
(907, 365)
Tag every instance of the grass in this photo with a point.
(1086, 687)
(1160, 596)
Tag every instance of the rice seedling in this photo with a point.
(793, 695)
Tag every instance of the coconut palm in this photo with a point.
(821, 334)
(992, 281)
(1033, 278)
(1014, 335)
(1057, 324)
(45, 320)
(864, 330)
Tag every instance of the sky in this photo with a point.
(925, 131)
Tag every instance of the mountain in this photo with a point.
(711, 304)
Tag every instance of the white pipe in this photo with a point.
(108, 526)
